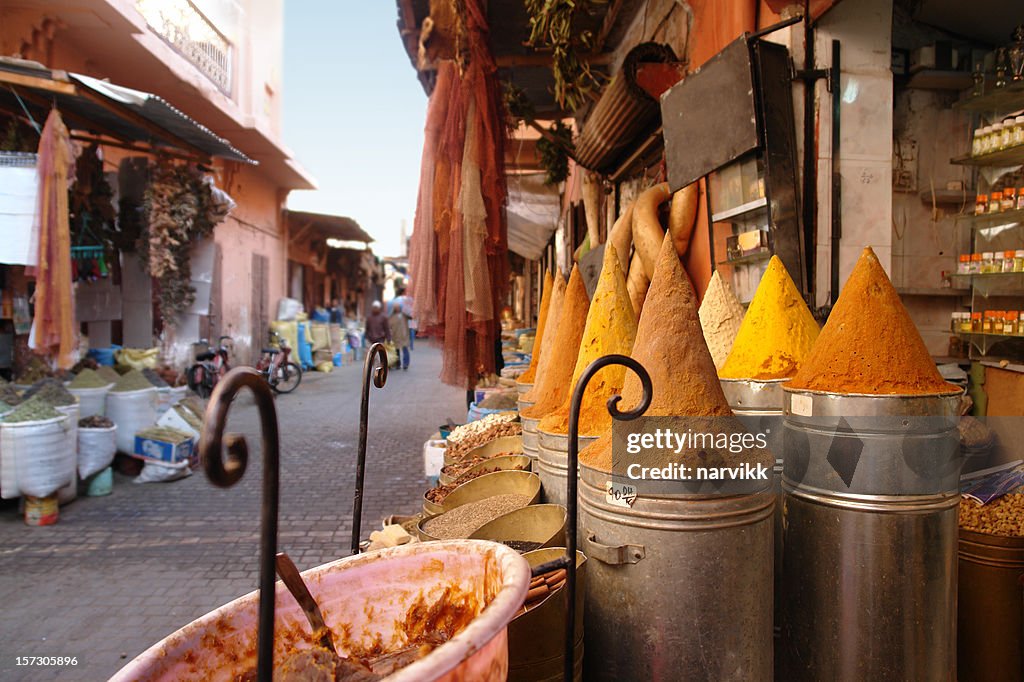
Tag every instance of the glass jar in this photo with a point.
(963, 265)
(954, 322)
(1007, 261)
(995, 202)
(986, 322)
(986, 140)
(1018, 260)
(981, 204)
(976, 323)
(1020, 324)
(997, 137)
(976, 143)
(975, 263)
(987, 262)
(1006, 134)
(1018, 131)
(1010, 322)
(966, 325)
(1009, 201)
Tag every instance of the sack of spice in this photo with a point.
(97, 445)
(33, 440)
(52, 391)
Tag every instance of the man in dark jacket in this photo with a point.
(378, 329)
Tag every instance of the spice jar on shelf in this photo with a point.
(1018, 131)
(1010, 322)
(986, 322)
(1018, 260)
(987, 263)
(976, 323)
(963, 265)
(1006, 135)
(966, 323)
(995, 201)
(1009, 200)
(975, 263)
(976, 143)
(1007, 265)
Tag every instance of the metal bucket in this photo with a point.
(871, 486)
(505, 444)
(524, 389)
(552, 458)
(530, 435)
(539, 523)
(758, 405)
(990, 623)
(501, 463)
(678, 587)
(523, 404)
(536, 639)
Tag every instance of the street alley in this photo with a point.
(118, 573)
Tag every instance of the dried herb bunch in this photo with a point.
(551, 27)
(91, 210)
(179, 209)
(554, 152)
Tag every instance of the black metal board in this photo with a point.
(709, 116)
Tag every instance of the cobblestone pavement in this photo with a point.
(118, 573)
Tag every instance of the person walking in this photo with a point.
(378, 330)
(400, 333)
(404, 303)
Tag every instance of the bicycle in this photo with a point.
(278, 371)
(210, 366)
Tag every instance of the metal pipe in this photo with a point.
(572, 481)
(810, 198)
(228, 471)
(837, 179)
(380, 377)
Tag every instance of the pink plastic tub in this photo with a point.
(372, 602)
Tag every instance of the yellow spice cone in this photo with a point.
(777, 332)
(611, 328)
(555, 370)
(670, 345)
(721, 314)
(530, 374)
(869, 343)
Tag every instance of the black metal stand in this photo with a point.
(380, 377)
(228, 471)
(572, 464)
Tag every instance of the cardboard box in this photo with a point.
(172, 419)
(164, 452)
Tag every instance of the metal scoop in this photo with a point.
(289, 574)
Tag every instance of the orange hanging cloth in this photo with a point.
(53, 329)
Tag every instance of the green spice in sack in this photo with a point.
(132, 381)
(32, 410)
(89, 378)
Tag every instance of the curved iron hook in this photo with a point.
(227, 472)
(379, 376)
(572, 464)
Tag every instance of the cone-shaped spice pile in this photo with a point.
(530, 374)
(777, 332)
(870, 344)
(555, 370)
(720, 316)
(670, 345)
(611, 328)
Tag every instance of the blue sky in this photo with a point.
(353, 114)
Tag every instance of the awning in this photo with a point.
(533, 209)
(107, 110)
(301, 223)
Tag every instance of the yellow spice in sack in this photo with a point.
(777, 332)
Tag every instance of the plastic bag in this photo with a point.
(40, 453)
(131, 411)
(96, 449)
(162, 473)
(393, 358)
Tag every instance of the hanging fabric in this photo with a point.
(53, 329)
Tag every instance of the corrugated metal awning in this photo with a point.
(107, 110)
(533, 209)
(326, 225)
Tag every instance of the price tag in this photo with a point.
(802, 405)
(620, 494)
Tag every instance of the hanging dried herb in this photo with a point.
(179, 208)
(554, 155)
(551, 27)
(91, 211)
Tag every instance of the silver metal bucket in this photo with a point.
(871, 487)
(530, 436)
(523, 388)
(758, 405)
(678, 587)
(551, 464)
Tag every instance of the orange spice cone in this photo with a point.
(869, 343)
(530, 374)
(777, 332)
(670, 345)
(555, 369)
(611, 328)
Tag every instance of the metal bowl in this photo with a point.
(505, 444)
(501, 463)
(541, 523)
(498, 483)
